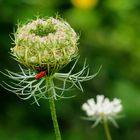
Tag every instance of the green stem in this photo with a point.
(52, 109)
(108, 135)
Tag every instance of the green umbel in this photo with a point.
(45, 44)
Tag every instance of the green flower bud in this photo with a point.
(45, 44)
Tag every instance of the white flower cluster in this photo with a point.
(102, 109)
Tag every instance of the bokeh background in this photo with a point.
(109, 36)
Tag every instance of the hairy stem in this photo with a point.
(52, 108)
(106, 128)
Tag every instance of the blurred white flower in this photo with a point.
(102, 109)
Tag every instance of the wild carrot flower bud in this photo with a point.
(45, 44)
(102, 109)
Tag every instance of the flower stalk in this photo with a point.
(49, 82)
(107, 131)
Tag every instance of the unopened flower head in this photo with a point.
(45, 44)
(102, 109)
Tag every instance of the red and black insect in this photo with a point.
(40, 75)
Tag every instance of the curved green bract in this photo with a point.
(26, 86)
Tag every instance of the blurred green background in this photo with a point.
(109, 36)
